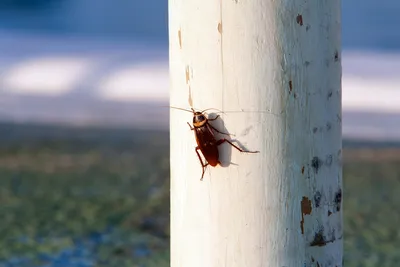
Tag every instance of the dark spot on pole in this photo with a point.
(312, 259)
(316, 163)
(332, 236)
(306, 63)
(302, 224)
(318, 264)
(330, 94)
(302, 170)
(328, 160)
(295, 95)
(338, 199)
(290, 86)
(328, 126)
(317, 199)
(329, 213)
(319, 239)
(336, 56)
(246, 131)
(315, 129)
(299, 19)
(220, 28)
(306, 209)
(339, 118)
(327, 62)
(308, 27)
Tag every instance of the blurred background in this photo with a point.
(84, 153)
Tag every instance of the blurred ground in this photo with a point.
(79, 196)
(83, 197)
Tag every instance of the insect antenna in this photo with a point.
(212, 108)
(191, 111)
(254, 111)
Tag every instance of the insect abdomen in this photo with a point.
(210, 153)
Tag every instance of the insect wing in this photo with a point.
(207, 143)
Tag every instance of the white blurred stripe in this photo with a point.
(46, 75)
(52, 76)
(136, 82)
(370, 94)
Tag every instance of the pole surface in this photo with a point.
(275, 68)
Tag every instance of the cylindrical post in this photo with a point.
(275, 68)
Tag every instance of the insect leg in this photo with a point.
(241, 150)
(214, 118)
(204, 166)
(218, 130)
(191, 128)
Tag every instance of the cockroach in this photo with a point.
(206, 140)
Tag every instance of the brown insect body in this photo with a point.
(206, 140)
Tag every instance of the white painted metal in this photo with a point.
(275, 67)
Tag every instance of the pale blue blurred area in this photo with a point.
(108, 62)
(366, 24)
(124, 19)
(371, 25)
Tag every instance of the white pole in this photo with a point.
(277, 63)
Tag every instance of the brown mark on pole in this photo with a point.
(180, 38)
(187, 75)
(299, 19)
(220, 28)
(190, 100)
(305, 210)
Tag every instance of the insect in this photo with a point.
(206, 140)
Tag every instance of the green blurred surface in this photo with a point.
(60, 184)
